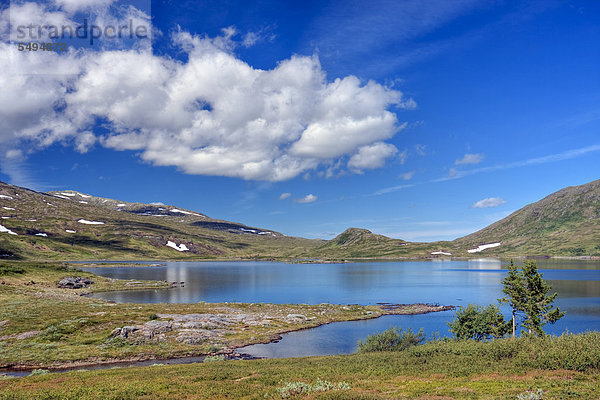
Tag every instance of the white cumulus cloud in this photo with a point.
(212, 114)
(309, 198)
(72, 6)
(371, 156)
(489, 202)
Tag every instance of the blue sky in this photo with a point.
(421, 120)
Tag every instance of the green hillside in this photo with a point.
(565, 223)
(362, 243)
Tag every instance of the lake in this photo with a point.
(445, 282)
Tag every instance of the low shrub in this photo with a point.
(39, 372)
(10, 270)
(392, 339)
(218, 357)
(291, 389)
(576, 352)
(537, 395)
(55, 332)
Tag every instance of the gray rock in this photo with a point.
(26, 335)
(153, 329)
(297, 316)
(74, 283)
(125, 331)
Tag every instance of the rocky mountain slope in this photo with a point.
(71, 225)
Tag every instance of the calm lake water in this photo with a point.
(444, 282)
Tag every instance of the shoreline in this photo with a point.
(160, 262)
(229, 354)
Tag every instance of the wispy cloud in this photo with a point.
(402, 157)
(390, 190)
(420, 149)
(407, 176)
(565, 155)
(14, 166)
(309, 198)
(470, 159)
(489, 202)
(456, 174)
(284, 196)
(372, 30)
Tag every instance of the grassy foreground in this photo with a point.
(566, 367)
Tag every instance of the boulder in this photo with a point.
(74, 283)
(125, 331)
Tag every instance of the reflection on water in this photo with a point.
(446, 282)
(363, 283)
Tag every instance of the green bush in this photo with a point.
(479, 323)
(392, 339)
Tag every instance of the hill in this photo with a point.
(69, 225)
(362, 243)
(565, 223)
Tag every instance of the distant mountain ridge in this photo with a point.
(72, 225)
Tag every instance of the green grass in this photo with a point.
(501, 369)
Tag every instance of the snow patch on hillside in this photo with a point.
(61, 197)
(67, 194)
(2, 196)
(440, 253)
(85, 196)
(181, 247)
(41, 234)
(83, 202)
(482, 247)
(175, 210)
(3, 229)
(70, 231)
(85, 221)
(9, 208)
